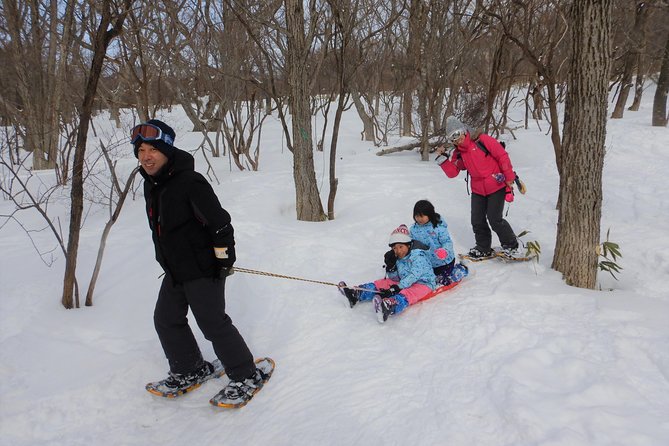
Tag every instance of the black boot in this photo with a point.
(351, 294)
(384, 307)
(177, 384)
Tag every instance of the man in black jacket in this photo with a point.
(194, 244)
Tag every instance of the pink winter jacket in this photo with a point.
(481, 167)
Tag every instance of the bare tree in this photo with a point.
(287, 39)
(109, 26)
(635, 43)
(583, 145)
(357, 28)
(116, 198)
(17, 184)
(137, 58)
(37, 46)
(525, 24)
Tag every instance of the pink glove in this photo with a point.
(441, 253)
(509, 194)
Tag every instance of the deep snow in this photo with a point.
(513, 356)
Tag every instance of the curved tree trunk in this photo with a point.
(103, 36)
(583, 146)
(367, 121)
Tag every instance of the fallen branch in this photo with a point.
(433, 144)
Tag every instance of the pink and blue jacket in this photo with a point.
(434, 238)
(481, 167)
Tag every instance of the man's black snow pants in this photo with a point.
(490, 209)
(206, 299)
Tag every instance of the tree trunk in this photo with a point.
(660, 99)
(407, 113)
(638, 85)
(640, 66)
(308, 201)
(334, 182)
(416, 29)
(367, 122)
(631, 58)
(102, 39)
(494, 83)
(583, 146)
(555, 120)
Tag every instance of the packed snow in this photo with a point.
(512, 356)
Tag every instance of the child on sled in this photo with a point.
(410, 283)
(431, 230)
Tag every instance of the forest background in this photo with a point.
(404, 65)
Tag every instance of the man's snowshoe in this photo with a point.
(238, 393)
(176, 384)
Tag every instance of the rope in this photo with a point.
(265, 273)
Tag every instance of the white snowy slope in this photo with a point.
(513, 356)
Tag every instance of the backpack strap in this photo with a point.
(482, 146)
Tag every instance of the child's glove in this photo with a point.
(441, 253)
(394, 289)
(390, 260)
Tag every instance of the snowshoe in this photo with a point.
(477, 255)
(176, 384)
(238, 393)
(513, 255)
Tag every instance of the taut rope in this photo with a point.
(265, 273)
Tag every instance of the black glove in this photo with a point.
(225, 255)
(223, 271)
(394, 289)
(225, 259)
(224, 246)
(390, 259)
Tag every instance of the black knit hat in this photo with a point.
(165, 148)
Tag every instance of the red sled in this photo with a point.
(440, 290)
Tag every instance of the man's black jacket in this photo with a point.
(186, 220)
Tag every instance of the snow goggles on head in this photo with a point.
(149, 132)
(455, 135)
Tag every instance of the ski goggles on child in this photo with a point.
(149, 132)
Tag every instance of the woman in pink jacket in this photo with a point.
(492, 177)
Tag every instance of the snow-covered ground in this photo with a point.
(513, 356)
